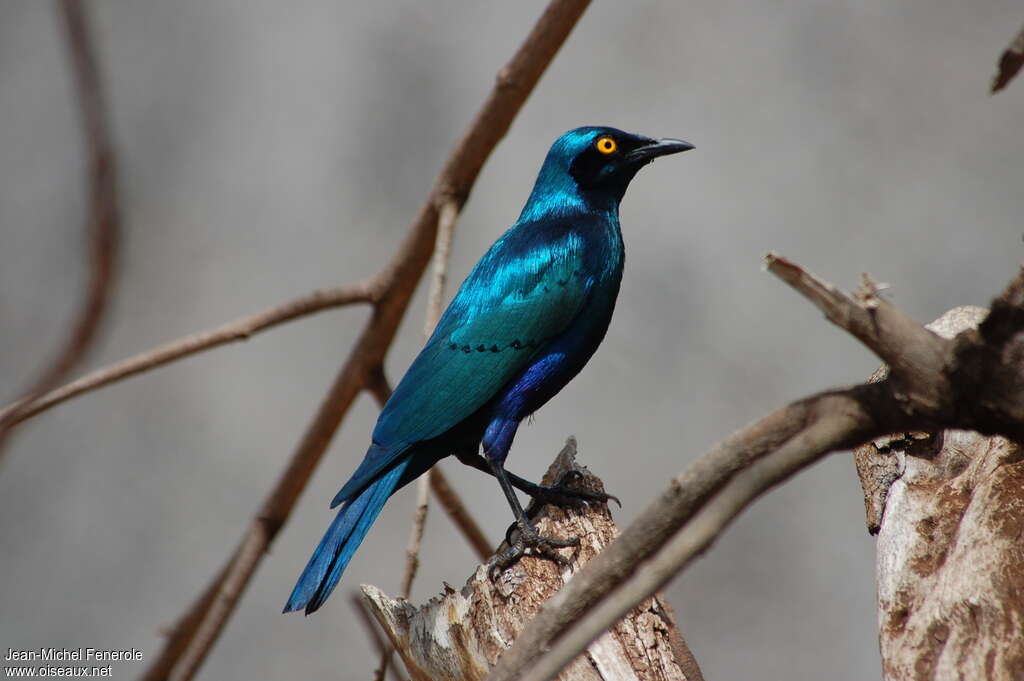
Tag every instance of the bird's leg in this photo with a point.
(528, 536)
(559, 494)
(562, 493)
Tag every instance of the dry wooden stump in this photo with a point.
(459, 635)
(949, 515)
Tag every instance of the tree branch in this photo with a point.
(914, 353)
(514, 83)
(233, 331)
(103, 222)
(705, 498)
(1009, 64)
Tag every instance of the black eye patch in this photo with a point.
(587, 165)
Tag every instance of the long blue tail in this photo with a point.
(340, 542)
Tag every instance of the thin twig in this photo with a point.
(233, 331)
(514, 83)
(447, 215)
(419, 524)
(442, 252)
(103, 223)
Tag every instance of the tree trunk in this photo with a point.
(459, 635)
(948, 509)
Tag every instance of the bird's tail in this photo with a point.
(340, 542)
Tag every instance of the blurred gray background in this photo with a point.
(270, 148)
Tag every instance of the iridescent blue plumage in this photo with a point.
(522, 325)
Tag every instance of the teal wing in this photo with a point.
(522, 293)
(526, 290)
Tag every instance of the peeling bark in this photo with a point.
(949, 512)
(459, 635)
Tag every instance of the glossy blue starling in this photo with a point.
(522, 325)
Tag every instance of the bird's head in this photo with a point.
(593, 166)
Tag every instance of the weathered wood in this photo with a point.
(948, 509)
(459, 635)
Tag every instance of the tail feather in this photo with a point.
(340, 543)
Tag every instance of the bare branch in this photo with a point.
(377, 384)
(1009, 63)
(103, 223)
(233, 331)
(914, 353)
(515, 81)
(419, 523)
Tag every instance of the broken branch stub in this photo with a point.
(459, 635)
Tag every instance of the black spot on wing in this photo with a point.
(521, 345)
(516, 344)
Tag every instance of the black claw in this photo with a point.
(508, 533)
(529, 538)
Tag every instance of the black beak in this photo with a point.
(656, 148)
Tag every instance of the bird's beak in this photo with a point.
(656, 148)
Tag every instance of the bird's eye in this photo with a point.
(606, 145)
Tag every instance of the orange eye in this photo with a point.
(606, 145)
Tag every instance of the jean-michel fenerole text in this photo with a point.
(64, 654)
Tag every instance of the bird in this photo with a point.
(524, 322)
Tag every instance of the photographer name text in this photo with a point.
(67, 654)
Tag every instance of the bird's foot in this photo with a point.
(522, 536)
(562, 493)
